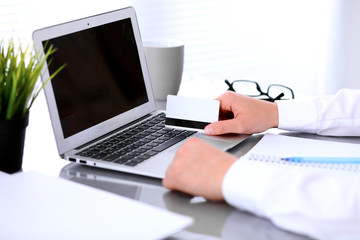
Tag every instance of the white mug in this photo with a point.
(165, 60)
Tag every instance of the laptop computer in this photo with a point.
(101, 104)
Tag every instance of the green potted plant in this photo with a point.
(20, 84)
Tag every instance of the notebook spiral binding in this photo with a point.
(326, 166)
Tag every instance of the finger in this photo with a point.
(222, 127)
(167, 183)
(168, 180)
(224, 115)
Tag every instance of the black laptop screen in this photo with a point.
(102, 78)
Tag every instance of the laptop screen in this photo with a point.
(102, 78)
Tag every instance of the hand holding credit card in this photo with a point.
(194, 113)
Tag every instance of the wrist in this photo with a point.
(274, 113)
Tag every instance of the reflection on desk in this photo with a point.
(212, 220)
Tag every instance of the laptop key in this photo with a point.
(150, 138)
(143, 157)
(121, 160)
(85, 154)
(156, 135)
(156, 128)
(146, 147)
(115, 155)
(158, 141)
(144, 141)
(110, 158)
(169, 143)
(137, 160)
(152, 144)
(100, 155)
(150, 153)
(189, 133)
(140, 150)
(131, 164)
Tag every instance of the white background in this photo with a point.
(299, 43)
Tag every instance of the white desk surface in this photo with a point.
(212, 220)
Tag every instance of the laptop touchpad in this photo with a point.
(217, 142)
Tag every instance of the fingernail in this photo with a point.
(208, 130)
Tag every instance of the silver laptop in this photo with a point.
(101, 104)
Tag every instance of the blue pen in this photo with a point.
(345, 160)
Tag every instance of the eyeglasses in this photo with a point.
(252, 89)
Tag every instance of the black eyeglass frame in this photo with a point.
(261, 93)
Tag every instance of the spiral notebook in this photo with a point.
(272, 148)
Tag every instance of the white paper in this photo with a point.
(285, 146)
(36, 206)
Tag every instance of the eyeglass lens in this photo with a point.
(275, 90)
(246, 88)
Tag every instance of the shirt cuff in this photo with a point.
(245, 185)
(297, 115)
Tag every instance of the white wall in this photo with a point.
(342, 65)
(309, 45)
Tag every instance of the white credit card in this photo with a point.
(194, 113)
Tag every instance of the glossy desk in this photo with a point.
(212, 220)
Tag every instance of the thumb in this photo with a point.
(221, 127)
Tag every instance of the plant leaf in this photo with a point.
(19, 78)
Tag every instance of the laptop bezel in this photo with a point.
(83, 137)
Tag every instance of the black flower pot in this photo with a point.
(12, 137)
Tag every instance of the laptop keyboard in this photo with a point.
(137, 144)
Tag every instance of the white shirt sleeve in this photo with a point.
(291, 198)
(337, 115)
